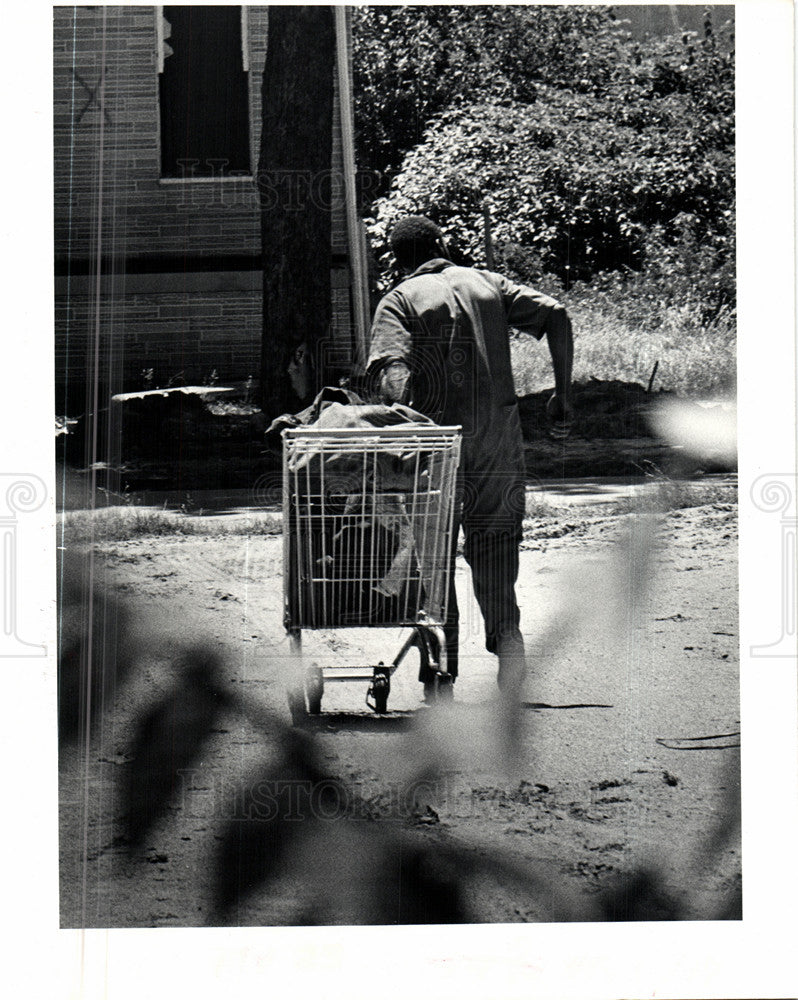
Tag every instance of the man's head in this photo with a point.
(415, 240)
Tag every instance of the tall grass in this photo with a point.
(622, 336)
(120, 524)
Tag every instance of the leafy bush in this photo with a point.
(411, 63)
(595, 153)
(577, 190)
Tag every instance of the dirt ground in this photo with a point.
(613, 794)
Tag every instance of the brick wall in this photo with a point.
(178, 325)
(111, 205)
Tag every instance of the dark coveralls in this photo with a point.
(450, 325)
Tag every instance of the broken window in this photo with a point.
(204, 91)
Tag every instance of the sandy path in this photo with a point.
(590, 794)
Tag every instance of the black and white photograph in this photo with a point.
(402, 361)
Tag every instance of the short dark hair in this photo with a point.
(415, 240)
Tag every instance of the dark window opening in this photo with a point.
(204, 94)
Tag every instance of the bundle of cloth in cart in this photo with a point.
(368, 513)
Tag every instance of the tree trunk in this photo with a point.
(294, 182)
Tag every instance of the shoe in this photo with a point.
(510, 677)
(436, 691)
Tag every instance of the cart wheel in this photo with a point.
(314, 689)
(382, 688)
(296, 705)
(379, 689)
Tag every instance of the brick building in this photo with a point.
(157, 227)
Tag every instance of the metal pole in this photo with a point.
(354, 226)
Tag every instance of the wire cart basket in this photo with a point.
(368, 520)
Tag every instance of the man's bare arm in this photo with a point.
(561, 347)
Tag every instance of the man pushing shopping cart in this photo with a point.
(440, 342)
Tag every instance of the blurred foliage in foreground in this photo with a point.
(606, 161)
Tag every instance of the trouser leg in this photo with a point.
(492, 525)
(451, 629)
(451, 621)
(493, 558)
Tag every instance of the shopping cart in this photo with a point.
(368, 517)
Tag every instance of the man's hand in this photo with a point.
(560, 413)
(395, 383)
